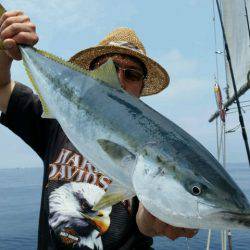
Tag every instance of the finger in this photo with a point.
(169, 233)
(10, 14)
(191, 233)
(9, 44)
(26, 38)
(12, 49)
(14, 19)
(15, 28)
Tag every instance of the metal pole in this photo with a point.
(232, 99)
(209, 239)
(230, 243)
(247, 19)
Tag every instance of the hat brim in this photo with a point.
(157, 77)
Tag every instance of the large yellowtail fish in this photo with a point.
(143, 152)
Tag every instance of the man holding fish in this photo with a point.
(64, 166)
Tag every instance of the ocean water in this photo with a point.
(20, 192)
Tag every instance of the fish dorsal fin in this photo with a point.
(107, 73)
(114, 194)
(62, 61)
(119, 154)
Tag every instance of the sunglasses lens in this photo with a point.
(133, 75)
(130, 74)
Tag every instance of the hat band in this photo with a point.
(126, 45)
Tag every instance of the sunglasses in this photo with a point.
(130, 74)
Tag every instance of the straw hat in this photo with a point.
(125, 41)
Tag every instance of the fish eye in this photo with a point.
(100, 215)
(196, 189)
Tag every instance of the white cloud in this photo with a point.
(185, 76)
(193, 2)
(187, 83)
(178, 65)
(187, 86)
(75, 15)
(66, 26)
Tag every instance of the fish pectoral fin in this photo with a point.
(47, 115)
(46, 111)
(118, 153)
(107, 73)
(113, 195)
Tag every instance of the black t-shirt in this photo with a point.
(71, 186)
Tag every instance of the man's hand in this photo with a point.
(16, 28)
(151, 226)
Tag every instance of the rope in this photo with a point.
(219, 138)
(242, 106)
(232, 130)
(245, 101)
(223, 151)
(233, 112)
(215, 44)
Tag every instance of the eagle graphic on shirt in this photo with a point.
(72, 219)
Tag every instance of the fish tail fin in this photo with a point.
(1, 45)
(2, 10)
(46, 112)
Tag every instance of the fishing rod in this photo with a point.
(241, 119)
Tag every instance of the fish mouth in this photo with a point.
(206, 209)
(232, 219)
(241, 218)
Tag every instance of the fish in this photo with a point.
(145, 154)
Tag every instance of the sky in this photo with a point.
(177, 34)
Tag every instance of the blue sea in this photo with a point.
(20, 192)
